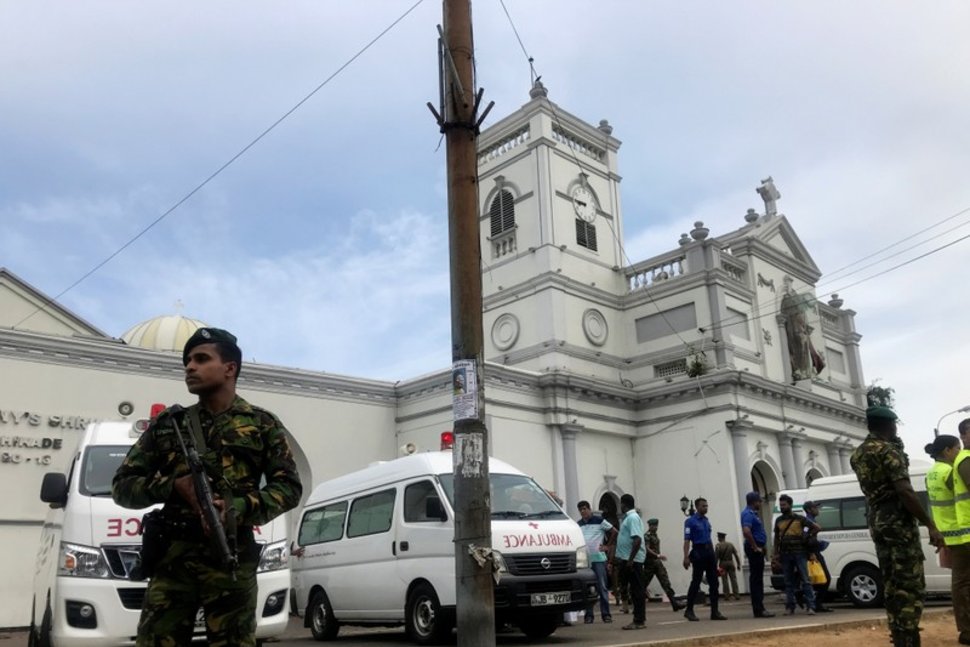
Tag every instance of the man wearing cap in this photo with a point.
(728, 563)
(699, 554)
(654, 565)
(815, 548)
(894, 510)
(239, 445)
(755, 539)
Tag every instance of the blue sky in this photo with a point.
(325, 246)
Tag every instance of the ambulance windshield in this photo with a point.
(513, 497)
(98, 468)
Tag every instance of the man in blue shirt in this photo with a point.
(699, 553)
(631, 554)
(755, 539)
(597, 532)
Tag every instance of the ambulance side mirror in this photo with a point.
(53, 489)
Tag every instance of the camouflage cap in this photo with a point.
(207, 336)
(881, 413)
(653, 522)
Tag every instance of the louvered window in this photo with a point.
(586, 234)
(502, 213)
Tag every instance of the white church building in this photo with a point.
(707, 370)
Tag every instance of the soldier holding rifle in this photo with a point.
(208, 554)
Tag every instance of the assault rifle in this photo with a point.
(203, 492)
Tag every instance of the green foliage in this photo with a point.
(696, 364)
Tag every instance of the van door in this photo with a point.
(367, 555)
(425, 544)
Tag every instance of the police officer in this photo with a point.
(699, 553)
(242, 445)
(883, 471)
(654, 565)
(960, 553)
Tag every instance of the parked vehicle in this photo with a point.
(82, 594)
(378, 550)
(851, 554)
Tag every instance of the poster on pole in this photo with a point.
(468, 456)
(465, 390)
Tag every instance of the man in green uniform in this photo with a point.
(239, 445)
(654, 565)
(883, 471)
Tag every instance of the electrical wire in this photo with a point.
(217, 172)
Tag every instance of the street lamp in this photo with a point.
(936, 429)
(686, 506)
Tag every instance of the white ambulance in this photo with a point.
(378, 549)
(82, 594)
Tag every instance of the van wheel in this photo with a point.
(425, 622)
(323, 625)
(863, 586)
(540, 626)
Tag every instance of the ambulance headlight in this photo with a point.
(582, 557)
(499, 561)
(82, 561)
(273, 557)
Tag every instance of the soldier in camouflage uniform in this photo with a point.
(883, 471)
(243, 444)
(654, 565)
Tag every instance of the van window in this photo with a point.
(513, 497)
(829, 515)
(371, 514)
(323, 524)
(854, 513)
(415, 501)
(98, 468)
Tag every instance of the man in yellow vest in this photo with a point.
(960, 554)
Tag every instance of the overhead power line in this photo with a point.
(222, 168)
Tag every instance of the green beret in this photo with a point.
(207, 336)
(881, 413)
(653, 522)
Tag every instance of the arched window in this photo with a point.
(502, 213)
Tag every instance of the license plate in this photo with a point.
(545, 599)
(200, 620)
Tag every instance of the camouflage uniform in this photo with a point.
(243, 444)
(653, 566)
(878, 464)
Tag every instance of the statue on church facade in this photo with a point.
(770, 195)
(806, 362)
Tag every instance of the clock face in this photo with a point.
(584, 204)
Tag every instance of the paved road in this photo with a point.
(662, 625)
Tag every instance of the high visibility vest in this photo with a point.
(943, 504)
(961, 494)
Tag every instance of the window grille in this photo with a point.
(669, 369)
(586, 234)
(502, 213)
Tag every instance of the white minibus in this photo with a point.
(378, 550)
(82, 593)
(851, 554)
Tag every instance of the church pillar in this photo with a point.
(799, 460)
(739, 447)
(844, 459)
(835, 463)
(787, 461)
(568, 433)
(783, 345)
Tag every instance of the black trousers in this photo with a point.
(704, 563)
(638, 591)
(756, 582)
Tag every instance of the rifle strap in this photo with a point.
(195, 428)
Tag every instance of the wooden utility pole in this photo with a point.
(460, 122)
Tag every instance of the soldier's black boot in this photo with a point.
(689, 614)
(677, 606)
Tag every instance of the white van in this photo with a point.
(82, 594)
(851, 554)
(379, 550)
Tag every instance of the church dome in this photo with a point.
(169, 333)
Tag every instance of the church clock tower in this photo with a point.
(551, 238)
